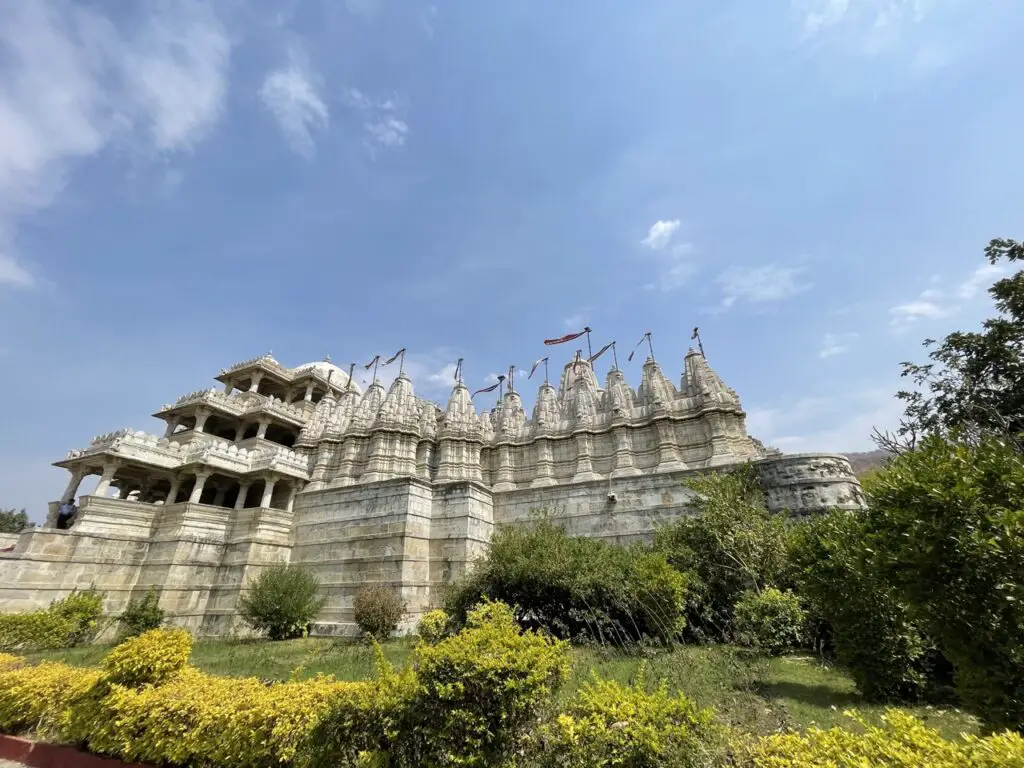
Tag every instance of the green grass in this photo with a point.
(753, 694)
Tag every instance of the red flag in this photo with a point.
(601, 351)
(569, 337)
(534, 368)
(490, 388)
(394, 357)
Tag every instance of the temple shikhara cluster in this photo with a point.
(299, 465)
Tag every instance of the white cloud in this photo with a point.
(75, 84)
(291, 97)
(980, 280)
(841, 423)
(383, 122)
(660, 233)
(575, 322)
(836, 344)
(936, 303)
(763, 284)
(13, 274)
(676, 268)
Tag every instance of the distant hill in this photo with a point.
(862, 462)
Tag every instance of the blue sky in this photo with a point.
(185, 185)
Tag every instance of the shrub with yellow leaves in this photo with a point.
(41, 698)
(434, 626)
(902, 741)
(152, 658)
(609, 724)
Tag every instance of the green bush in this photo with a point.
(434, 626)
(378, 610)
(67, 622)
(142, 615)
(872, 630)
(947, 524)
(479, 692)
(152, 658)
(282, 601)
(771, 621)
(608, 724)
(732, 545)
(575, 588)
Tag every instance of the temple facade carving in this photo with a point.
(299, 465)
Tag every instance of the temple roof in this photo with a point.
(338, 377)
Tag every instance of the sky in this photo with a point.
(185, 185)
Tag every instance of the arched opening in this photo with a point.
(281, 435)
(220, 427)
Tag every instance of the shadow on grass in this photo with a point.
(822, 696)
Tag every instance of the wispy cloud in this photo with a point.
(758, 285)
(575, 321)
(383, 120)
(938, 303)
(74, 84)
(660, 234)
(291, 96)
(836, 344)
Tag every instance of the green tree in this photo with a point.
(12, 521)
(282, 601)
(947, 524)
(974, 382)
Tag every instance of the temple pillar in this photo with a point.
(172, 424)
(545, 464)
(228, 387)
(77, 476)
(243, 493)
(197, 489)
(240, 432)
(218, 500)
(584, 468)
(423, 460)
(103, 486)
(254, 384)
(262, 432)
(201, 416)
(308, 397)
(667, 456)
(503, 474)
(172, 493)
(624, 465)
(268, 492)
(293, 488)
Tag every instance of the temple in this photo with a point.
(298, 465)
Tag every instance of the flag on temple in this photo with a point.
(490, 388)
(369, 365)
(394, 357)
(695, 334)
(568, 337)
(458, 370)
(534, 368)
(601, 351)
(642, 340)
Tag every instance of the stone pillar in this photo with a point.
(240, 432)
(308, 397)
(172, 424)
(103, 486)
(228, 387)
(667, 456)
(255, 383)
(201, 416)
(243, 493)
(545, 464)
(77, 475)
(503, 474)
(197, 490)
(624, 465)
(172, 493)
(268, 492)
(218, 500)
(584, 468)
(293, 488)
(262, 433)
(423, 459)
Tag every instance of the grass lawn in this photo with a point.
(756, 695)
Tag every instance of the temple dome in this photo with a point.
(337, 376)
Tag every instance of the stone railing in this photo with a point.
(279, 460)
(265, 361)
(134, 444)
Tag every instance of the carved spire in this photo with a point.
(702, 382)
(460, 418)
(655, 390)
(399, 408)
(322, 416)
(545, 409)
(369, 406)
(583, 404)
(618, 396)
(511, 418)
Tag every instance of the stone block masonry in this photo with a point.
(296, 465)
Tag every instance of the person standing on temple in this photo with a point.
(66, 513)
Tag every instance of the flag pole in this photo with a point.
(650, 346)
(545, 370)
(458, 371)
(615, 357)
(351, 372)
(501, 387)
(401, 362)
(590, 352)
(376, 361)
(511, 379)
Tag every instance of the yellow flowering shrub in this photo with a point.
(902, 741)
(433, 626)
(10, 660)
(149, 659)
(41, 697)
(608, 724)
